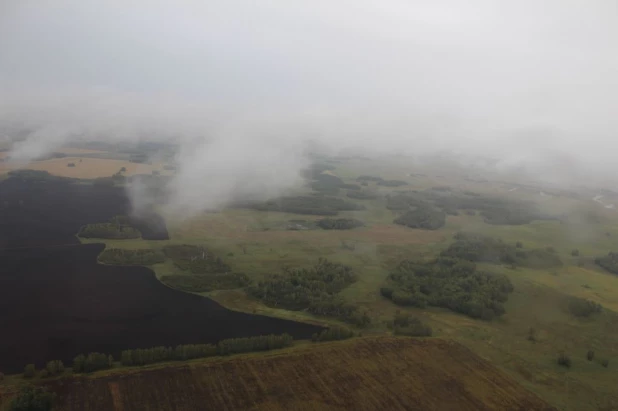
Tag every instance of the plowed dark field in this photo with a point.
(57, 302)
(383, 373)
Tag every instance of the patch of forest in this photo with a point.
(330, 184)
(450, 283)
(392, 183)
(361, 195)
(494, 210)
(314, 289)
(480, 248)
(312, 205)
(120, 256)
(608, 262)
(339, 223)
(203, 271)
(110, 231)
(425, 217)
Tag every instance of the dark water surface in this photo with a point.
(57, 302)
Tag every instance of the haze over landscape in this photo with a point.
(309, 205)
(526, 82)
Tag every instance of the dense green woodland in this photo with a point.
(329, 184)
(313, 289)
(450, 283)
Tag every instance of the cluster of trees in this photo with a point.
(580, 307)
(608, 262)
(392, 183)
(109, 231)
(366, 178)
(120, 256)
(330, 184)
(361, 195)
(198, 283)
(494, 210)
(35, 176)
(333, 334)
(92, 362)
(196, 259)
(339, 223)
(450, 283)
(425, 217)
(70, 164)
(32, 398)
(404, 324)
(312, 205)
(480, 248)
(230, 346)
(313, 289)
(316, 169)
(207, 271)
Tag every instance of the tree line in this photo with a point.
(109, 231)
(206, 282)
(313, 289)
(311, 205)
(332, 334)
(338, 223)
(138, 357)
(404, 324)
(120, 256)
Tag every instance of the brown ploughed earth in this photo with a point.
(371, 373)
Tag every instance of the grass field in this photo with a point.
(253, 242)
(362, 374)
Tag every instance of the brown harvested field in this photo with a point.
(87, 168)
(377, 373)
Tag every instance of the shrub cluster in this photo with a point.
(313, 289)
(196, 259)
(392, 183)
(32, 398)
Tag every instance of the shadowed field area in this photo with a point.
(364, 374)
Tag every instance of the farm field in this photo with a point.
(362, 374)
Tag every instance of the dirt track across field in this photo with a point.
(383, 373)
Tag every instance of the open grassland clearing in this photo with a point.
(361, 374)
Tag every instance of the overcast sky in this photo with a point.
(503, 77)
